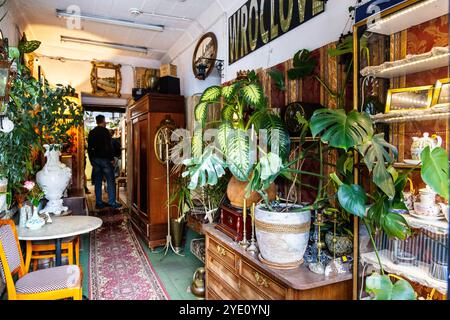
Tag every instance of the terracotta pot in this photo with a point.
(236, 193)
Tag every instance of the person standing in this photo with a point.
(100, 152)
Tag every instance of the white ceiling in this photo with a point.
(42, 24)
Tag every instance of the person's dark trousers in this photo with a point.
(104, 168)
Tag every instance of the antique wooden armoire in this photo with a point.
(146, 175)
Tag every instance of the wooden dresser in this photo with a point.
(234, 274)
(147, 176)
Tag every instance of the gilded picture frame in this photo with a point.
(405, 99)
(441, 86)
(106, 79)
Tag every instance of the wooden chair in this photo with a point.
(47, 284)
(38, 250)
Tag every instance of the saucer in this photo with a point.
(411, 161)
(424, 217)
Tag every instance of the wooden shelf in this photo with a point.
(414, 15)
(417, 274)
(434, 113)
(436, 58)
(436, 226)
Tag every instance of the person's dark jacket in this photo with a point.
(116, 147)
(100, 144)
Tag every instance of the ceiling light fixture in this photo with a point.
(107, 44)
(136, 12)
(117, 22)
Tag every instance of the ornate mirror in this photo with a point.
(205, 55)
(106, 79)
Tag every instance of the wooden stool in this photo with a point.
(37, 250)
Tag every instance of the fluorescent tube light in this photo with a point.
(106, 44)
(117, 22)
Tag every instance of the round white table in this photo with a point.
(61, 227)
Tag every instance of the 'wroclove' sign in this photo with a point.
(258, 22)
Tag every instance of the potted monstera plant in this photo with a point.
(247, 125)
(352, 134)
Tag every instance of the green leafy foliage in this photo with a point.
(380, 287)
(212, 94)
(339, 129)
(353, 199)
(375, 151)
(29, 46)
(434, 170)
(303, 65)
(278, 79)
(238, 157)
(253, 94)
(204, 170)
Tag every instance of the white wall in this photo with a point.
(10, 24)
(317, 32)
(76, 68)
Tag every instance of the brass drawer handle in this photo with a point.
(221, 250)
(260, 280)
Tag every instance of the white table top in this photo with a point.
(61, 227)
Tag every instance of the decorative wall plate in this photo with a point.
(290, 115)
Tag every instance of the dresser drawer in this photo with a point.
(250, 292)
(211, 295)
(261, 281)
(216, 266)
(221, 290)
(226, 255)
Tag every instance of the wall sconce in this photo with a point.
(202, 64)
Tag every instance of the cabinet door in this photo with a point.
(143, 164)
(135, 163)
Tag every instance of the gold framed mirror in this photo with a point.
(163, 137)
(106, 79)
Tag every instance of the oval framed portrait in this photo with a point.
(207, 49)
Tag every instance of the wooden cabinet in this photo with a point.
(234, 274)
(148, 212)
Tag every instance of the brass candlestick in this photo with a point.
(335, 266)
(253, 248)
(244, 243)
(318, 267)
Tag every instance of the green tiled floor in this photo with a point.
(174, 271)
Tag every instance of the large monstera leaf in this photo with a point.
(376, 152)
(382, 288)
(238, 154)
(204, 170)
(435, 170)
(303, 65)
(353, 199)
(339, 129)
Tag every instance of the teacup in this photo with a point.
(426, 209)
(427, 196)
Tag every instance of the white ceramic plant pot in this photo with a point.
(282, 236)
(54, 179)
(3, 190)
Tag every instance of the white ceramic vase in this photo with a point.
(26, 212)
(282, 236)
(54, 179)
(35, 222)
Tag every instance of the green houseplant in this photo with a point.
(353, 137)
(246, 119)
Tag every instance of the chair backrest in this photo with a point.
(10, 255)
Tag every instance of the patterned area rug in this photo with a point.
(119, 269)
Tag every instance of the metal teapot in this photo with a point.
(198, 283)
(421, 143)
